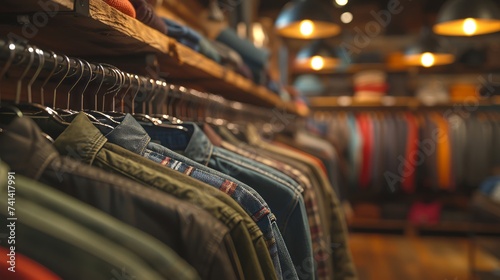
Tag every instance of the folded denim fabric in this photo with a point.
(207, 49)
(123, 6)
(254, 57)
(227, 54)
(146, 14)
(183, 34)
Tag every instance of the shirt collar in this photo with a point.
(81, 139)
(130, 135)
(25, 149)
(199, 147)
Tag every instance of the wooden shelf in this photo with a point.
(339, 102)
(94, 29)
(453, 69)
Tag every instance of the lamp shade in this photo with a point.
(317, 56)
(306, 19)
(428, 52)
(468, 18)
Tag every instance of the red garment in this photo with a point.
(25, 268)
(412, 154)
(425, 213)
(366, 128)
(123, 6)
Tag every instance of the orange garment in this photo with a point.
(26, 269)
(123, 6)
(443, 153)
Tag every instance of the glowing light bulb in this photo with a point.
(346, 17)
(469, 26)
(427, 59)
(341, 2)
(306, 27)
(317, 63)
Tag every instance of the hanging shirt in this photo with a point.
(281, 193)
(192, 233)
(130, 135)
(98, 152)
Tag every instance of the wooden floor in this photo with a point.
(387, 257)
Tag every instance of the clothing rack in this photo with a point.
(395, 103)
(128, 90)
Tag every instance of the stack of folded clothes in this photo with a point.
(229, 50)
(486, 201)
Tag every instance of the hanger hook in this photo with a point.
(96, 93)
(111, 89)
(20, 80)
(56, 63)
(41, 63)
(145, 100)
(122, 84)
(157, 87)
(87, 84)
(115, 76)
(130, 84)
(68, 68)
(82, 69)
(12, 48)
(136, 92)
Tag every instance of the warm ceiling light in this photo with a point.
(341, 2)
(346, 17)
(306, 19)
(317, 63)
(428, 51)
(427, 59)
(468, 18)
(469, 26)
(317, 56)
(306, 28)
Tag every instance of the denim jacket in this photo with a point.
(281, 193)
(130, 135)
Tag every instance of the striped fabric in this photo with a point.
(310, 200)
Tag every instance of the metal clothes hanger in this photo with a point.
(41, 63)
(8, 107)
(161, 114)
(168, 116)
(118, 83)
(96, 92)
(144, 117)
(38, 109)
(82, 70)
(20, 80)
(8, 63)
(56, 64)
(68, 68)
(33, 109)
(94, 114)
(161, 89)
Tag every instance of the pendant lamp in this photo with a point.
(427, 51)
(317, 56)
(468, 18)
(306, 19)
